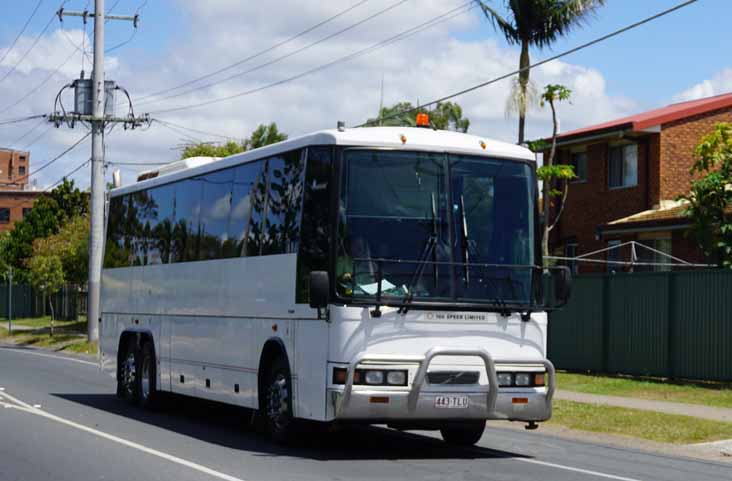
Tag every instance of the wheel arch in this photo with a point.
(136, 336)
(272, 349)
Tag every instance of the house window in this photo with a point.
(662, 248)
(21, 170)
(579, 162)
(4, 215)
(26, 211)
(623, 166)
(613, 256)
(22, 158)
(570, 251)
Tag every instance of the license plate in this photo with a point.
(452, 402)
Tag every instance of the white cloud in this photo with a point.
(426, 66)
(719, 84)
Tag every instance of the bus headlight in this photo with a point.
(504, 379)
(523, 379)
(374, 377)
(396, 378)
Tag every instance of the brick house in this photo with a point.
(16, 195)
(630, 171)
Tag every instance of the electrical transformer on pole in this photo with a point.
(98, 112)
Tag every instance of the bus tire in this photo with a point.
(146, 367)
(127, 378)
(463, 434)
(277, 402)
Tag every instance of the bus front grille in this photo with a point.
(453, 377)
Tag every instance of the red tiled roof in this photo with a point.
(655, 117)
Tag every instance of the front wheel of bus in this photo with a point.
(147, 377)
(127, 377)
(463, 434)
(278, 402)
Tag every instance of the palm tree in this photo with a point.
(536, 23)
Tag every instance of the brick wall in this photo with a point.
(593, 203)
(16, 202)
(677, 144)
(14, 167)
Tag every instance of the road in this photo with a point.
(60, 420)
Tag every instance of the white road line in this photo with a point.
(15, 400)
(576, 470)
(124, 442)
(40, 354)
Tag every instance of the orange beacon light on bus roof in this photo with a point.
(422, 120)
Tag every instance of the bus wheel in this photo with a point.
(277, 407)
(463, 434)
(146, 379)
(127, 379)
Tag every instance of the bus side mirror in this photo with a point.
(562, 278)
(319, 289)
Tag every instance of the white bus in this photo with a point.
(381, 275)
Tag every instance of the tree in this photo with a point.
(50, 211)
(46, 275)
(262, 135)
(535, 23)
(710, 197)
(445, 116)
(549, 173)
(71, 246)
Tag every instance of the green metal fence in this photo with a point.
(666, 324)
(68, 303)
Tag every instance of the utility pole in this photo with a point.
(10, 300)
(98, 117)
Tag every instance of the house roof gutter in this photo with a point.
(615, 133)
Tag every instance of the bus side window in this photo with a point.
(158, 224)
(247, 195)
(315, 234)
(215, 210)
(284, 201)
(115, 253)
(186, 231)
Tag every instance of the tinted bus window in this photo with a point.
(186, 231)
(215, 211)
(159, 225)
(242, 192)
(315, 233)
(284, 203)
(115, 252)
(255, 227)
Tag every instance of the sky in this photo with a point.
(678, 57)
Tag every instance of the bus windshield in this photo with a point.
(434, 227)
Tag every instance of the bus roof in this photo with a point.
(401, 138)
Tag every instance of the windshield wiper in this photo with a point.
(497, 298)
(429, 250)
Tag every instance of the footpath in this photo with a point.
(694, 410)
(683, 409)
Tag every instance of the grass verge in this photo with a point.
(709, 394)
(70, 336)
(659, 427)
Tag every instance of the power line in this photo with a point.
(33, 45)
(37, 87)
(14, 142)
(253, 56)
(282, 57)
(542, 62)
(395, 38)
(22, 30)
(36, 139)
(196, 131)
(50, 162)
(21, 119)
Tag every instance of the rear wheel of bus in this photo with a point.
(463, 434)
